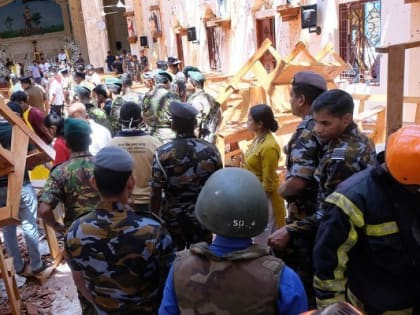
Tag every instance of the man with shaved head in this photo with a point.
(100, 136)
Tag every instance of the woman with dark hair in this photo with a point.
(262, 158)
(55, 124)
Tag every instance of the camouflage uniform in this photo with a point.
(69, 183)
(209, 115)
(98, 115)
(340, 159)
(155, 109)
(302, 153)
(114, 115)
(181, 168)
(302, 160)
(124, 257)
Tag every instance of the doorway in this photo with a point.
(116, 24)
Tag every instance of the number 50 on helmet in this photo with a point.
(233, 203)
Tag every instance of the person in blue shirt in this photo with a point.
(232, 275)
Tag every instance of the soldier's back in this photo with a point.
(69, 183)
(142, 253)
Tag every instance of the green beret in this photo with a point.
(183, 110)
(113, 81)
(196, 76)
(115, 159)
(73, 125)
(163, 73)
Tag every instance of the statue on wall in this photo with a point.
(30, 17)
(130, 26)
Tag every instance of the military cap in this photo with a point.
(74, 125)
(196, 76)
(26, 79)
(113, 81)
(183, 110)
(148, 75)
(163, 73)
(310, 78)
(173, 61)
(115, 159)
(162, 64)
(82, 91)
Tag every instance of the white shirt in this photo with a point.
(95, 79)
(42, 68)
(62, 56)
(56, 93)
(47, 66)
(35, 71)
(100, 136)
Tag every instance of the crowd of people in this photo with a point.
(154, 224)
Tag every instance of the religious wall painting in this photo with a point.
(155, 23)
(29, 17)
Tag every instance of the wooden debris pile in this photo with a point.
(252, 85)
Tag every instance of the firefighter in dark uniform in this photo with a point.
(367, 249)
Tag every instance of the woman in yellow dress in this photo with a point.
(262, 158)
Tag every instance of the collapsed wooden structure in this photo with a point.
(13, 163)
(252, 85)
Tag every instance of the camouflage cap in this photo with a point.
(183, 110)
(310, 78)
(196, 76)
(74, 125)
(115, 159)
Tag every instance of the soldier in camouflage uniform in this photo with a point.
(232, 275)
(209, 113)
(345, 152)
(155, 107)
(300, 188)
(127, 96)
(98, 115)
(180, 168)
(69, 183)
(119, 258)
